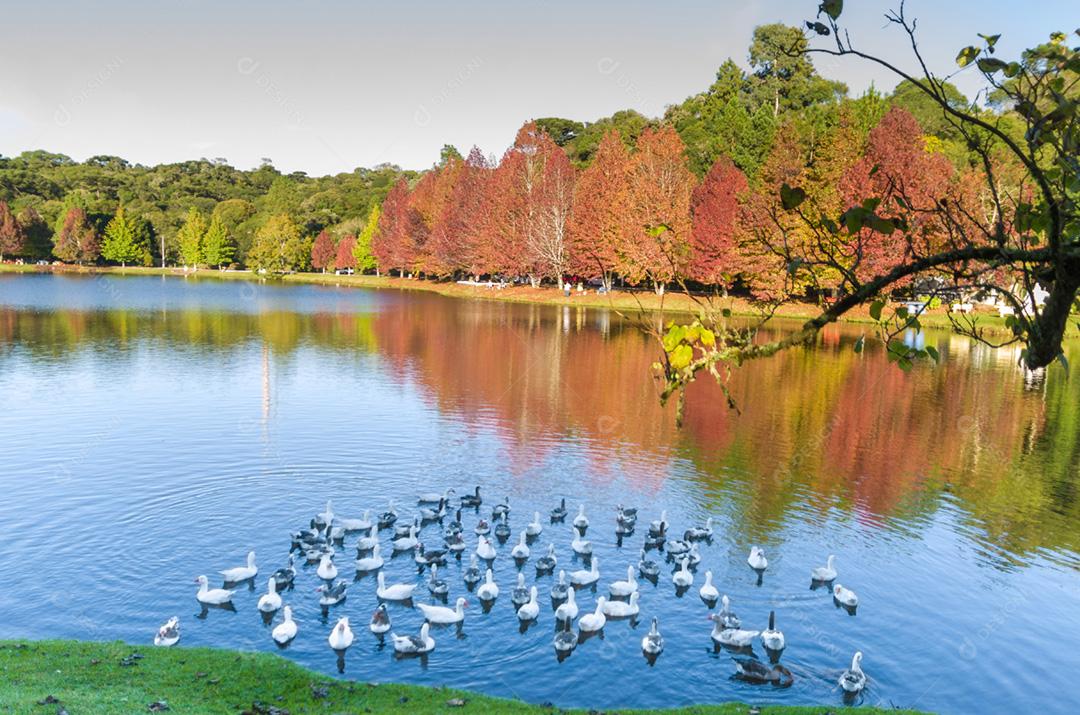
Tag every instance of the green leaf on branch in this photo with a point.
(790, 198)
(819, 27)
(875, 309)
(681, 357)
(933, 353)
(966, 55)
(990, 65)
(832, 8)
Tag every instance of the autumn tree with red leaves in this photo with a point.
(76, 241)
(323, 251)
(463, 226)
(345, 258)
(717, 226)
(391, 244)
(656, 248)
(12, 238)
(601, 211)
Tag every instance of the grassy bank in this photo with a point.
(626, 301)
(106, 678)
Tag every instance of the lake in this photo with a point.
(155, 429)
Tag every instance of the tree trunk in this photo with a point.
(659, 288)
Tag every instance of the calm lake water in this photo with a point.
(157, 429)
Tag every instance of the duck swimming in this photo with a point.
(472, 574)
(732, 637)
(269, 601)
(472, 500)
(388, 517)
(370, 563)
(581, 546)
(700, 533)
(726, 617)
(648, 568)
(435, 497)
(753, 670)
(582, 577)
(684, 577)
(502, 529)
(436, 585)
(285, 577)
(409, 542)
(286, 630)
(581, 522)
(595, 621)
(520, 595)
(624, 588)
(327, 571)
(757, 559)
(380, 620)
(482, 528)
(825, 573)
(212, 596)
(547, 563)
(653, 643)
(853, 680)
(845, 596)
(488, 590)
(394, 592)
(534, 527)
(442, 615)
(709, 593)
(772, 638)
(520, 552)
(623, 609)
(560, 590)
(530, 610)
(241, 573)
(362, 524)
(559, 513)
(485, 550)
(332, 594)
(342, 636)
(568, 609)
(168, 634)
(501, 510)
(408, 645)
(566, 639)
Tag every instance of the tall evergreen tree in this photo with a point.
(190, 238)
(122, 242)
(365, 259)
(218, 246)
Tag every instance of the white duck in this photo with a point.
(853, 679)
(757, 559)
(826, 572)
(380, 620)
(708, 592)
(327, 571)
(581, 577)
(342, 636)
(364, 523)
(520, 595)
(212, 596)
(325, 518)
(627, 587)
(534, 527)
(370, 563)
(521, 550)
(488, 590)
(622, 609)
(442, 615)
(168, 634)
(772, 638)
(684, 577)
(732, 637)
(581, 545)
(581, 521)
(366, 543)
(568, 609)
(434, 497)
(529, 611)
(422, 643)
(594, 621)
(269, 601)
(407, 543)
(653, 643)
(845, 596)
(485, 550)
(547, 563)
(286, 630)
(395, 592)
(241, 573)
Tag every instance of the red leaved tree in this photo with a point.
(463, 227)
(323, 252)
(715, 235)
(657, 246)
(76, 241)
(12, 237)
(345, 257)
(601, 210)
(391, 244)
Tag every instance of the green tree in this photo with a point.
(783, 77)
(190, 238)
(365, 260)
(121, 244)
(38, 237)
(218, 246)
(278, 247)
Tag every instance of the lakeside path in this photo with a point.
(628, 302)
(79, 677)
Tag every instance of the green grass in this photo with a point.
(88, 677)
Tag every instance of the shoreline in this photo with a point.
(618, 300)
(116, 677)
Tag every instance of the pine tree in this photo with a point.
(12, 237)
(191, 238)
(218, 247)
(121, 243)
(75, 241)
(365, 259)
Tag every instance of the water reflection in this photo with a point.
(824, 426)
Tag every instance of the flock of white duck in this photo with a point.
(319, 543)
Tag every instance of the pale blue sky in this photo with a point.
(327, 86)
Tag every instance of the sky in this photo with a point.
(325, 87)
